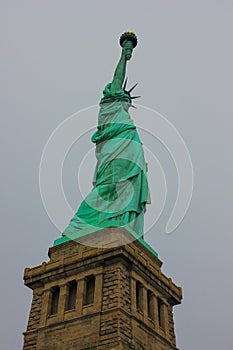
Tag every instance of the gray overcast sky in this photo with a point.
(56, 57)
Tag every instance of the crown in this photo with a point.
(129, 91)
(129, 35)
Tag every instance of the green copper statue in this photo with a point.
(120, 188)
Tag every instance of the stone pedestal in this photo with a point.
(122, 299)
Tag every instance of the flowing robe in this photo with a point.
(120, 188)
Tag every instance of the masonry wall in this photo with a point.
(112, 320)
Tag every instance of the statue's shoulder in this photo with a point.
(109, 96)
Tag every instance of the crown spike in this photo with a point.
(125, 83)
(132, 88)
(132, 98)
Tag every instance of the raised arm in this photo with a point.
(119, 74)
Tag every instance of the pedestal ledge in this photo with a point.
(106, 238)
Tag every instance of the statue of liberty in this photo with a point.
(120, 188)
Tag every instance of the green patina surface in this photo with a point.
(120, 188)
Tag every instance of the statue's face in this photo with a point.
(128, 49)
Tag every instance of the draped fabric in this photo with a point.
(120, 188)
